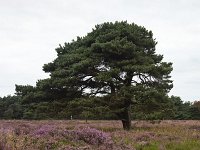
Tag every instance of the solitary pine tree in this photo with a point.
(116, 62)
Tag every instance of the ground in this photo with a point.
(99, 135)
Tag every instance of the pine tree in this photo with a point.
(116, 62)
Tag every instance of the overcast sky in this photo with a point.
(30, 30)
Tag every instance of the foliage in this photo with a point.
(195, 110)
(12, 107)
(180, 108)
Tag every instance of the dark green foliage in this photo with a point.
(95, 108)
(195, 110)
(174, 109)
(90, 108)
(10, 107)
(180, 109)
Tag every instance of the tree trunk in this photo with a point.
(126, 120)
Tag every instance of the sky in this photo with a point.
(30, 30)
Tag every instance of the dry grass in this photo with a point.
(144, 135)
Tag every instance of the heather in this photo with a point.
(100, 135)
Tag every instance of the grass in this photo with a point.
(149, 146)
(184, 145)
(99, 135)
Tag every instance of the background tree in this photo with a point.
(10, 107)
(195, 110)
(179, 108)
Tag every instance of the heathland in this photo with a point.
(99, 135)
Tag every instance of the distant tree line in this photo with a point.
(12, 107)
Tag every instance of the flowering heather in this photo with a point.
(98, 135)
(43, 130)
(92, 136)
